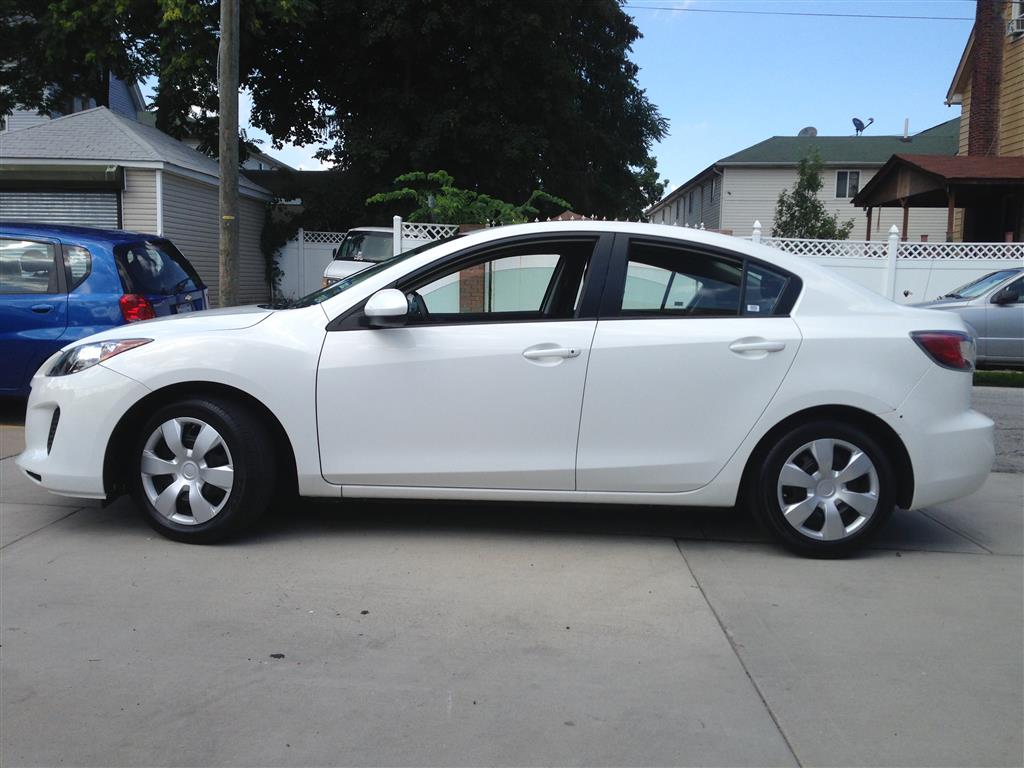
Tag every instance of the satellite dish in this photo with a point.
(810, 130)
(859, 125)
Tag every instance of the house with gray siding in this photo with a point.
(744, 187)
(99, 168)
(124, 98)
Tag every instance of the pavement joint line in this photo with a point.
(739, 658)
(959, 533)
(43, 528)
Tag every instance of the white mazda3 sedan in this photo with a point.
(576, 361)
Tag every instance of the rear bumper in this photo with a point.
(91, 403)
(951, 447)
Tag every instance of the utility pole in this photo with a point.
(227, 90)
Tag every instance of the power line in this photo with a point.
(797, 13)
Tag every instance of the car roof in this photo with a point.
(67, 231)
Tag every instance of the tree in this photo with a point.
(801, 213)
(436, 198)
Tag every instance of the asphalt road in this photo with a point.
(441, 634)
(1005, 406)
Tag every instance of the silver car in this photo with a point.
(993, 306)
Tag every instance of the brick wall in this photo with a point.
(989, 30)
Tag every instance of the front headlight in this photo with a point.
(87, 355)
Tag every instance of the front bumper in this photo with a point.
(91, 404)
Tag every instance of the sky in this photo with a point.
(726, 81)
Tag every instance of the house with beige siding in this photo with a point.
(102, 169)
(744, 187)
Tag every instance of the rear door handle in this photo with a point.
(534, 353)
(762, 345)
(41, 309)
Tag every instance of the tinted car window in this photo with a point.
(976, 288)
(366, 246)
(667, 280)
(763, 290)
(77, 264)
(155, 267)
(27, 267)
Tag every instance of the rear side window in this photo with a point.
(77, 264)
(28, 267)
(155, 267)
(667, 280)
(763, 291)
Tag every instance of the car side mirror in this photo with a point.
(388, 308)
(1008, 295)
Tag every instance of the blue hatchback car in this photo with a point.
(60, 283)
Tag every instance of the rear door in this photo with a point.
(157, 270)
(33, 308)
(690, 348)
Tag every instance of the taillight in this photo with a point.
(950, 349)
(135, 307)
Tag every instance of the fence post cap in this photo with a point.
(894, 230)
(757, 224)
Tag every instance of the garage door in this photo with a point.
(89, 209)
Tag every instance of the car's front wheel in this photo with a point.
(203, 469)
(825, 489)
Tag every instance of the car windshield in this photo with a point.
(366, 246)
(976, 288)
(344, 284)
(155, 267)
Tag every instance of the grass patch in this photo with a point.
(999, 378)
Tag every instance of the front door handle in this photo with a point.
(41, 309)
(758, 345)
(535, 353)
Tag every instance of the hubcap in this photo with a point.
(828, 489)
(187, 471)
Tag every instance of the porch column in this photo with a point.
(906, 218)
(869, 223)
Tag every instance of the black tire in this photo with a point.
(765, 492)
(250, 450)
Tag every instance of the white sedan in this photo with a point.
(579, 362)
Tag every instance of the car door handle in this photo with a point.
(41, 309)
(759, 345)
(539, 353)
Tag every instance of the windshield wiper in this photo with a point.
(953, 295)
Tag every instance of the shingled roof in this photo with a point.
(99, 135)
(942, 139)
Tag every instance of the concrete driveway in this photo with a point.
(440, 634)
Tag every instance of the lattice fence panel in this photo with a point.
(428, 232)
(962, 251)
(322, 237)
(829, 249)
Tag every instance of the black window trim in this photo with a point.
(593, 282)
(615, 281)
(58, 251)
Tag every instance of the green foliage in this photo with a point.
(801, 213)
(434, 197)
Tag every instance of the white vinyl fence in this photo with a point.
(906, 272)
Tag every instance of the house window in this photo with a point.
(847, 183)
(689, 205)
(714, 188)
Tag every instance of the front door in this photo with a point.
(33, 309)
(483, 386)
(680, 367)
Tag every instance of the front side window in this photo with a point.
(847, 183)
(535, 282)
(27, 267)
(674, 281)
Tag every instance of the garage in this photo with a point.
(84, 208)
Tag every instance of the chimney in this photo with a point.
(983, 137)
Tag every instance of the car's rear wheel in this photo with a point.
(202, 470)
(825, 489)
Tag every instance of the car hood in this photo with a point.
(227, 319)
